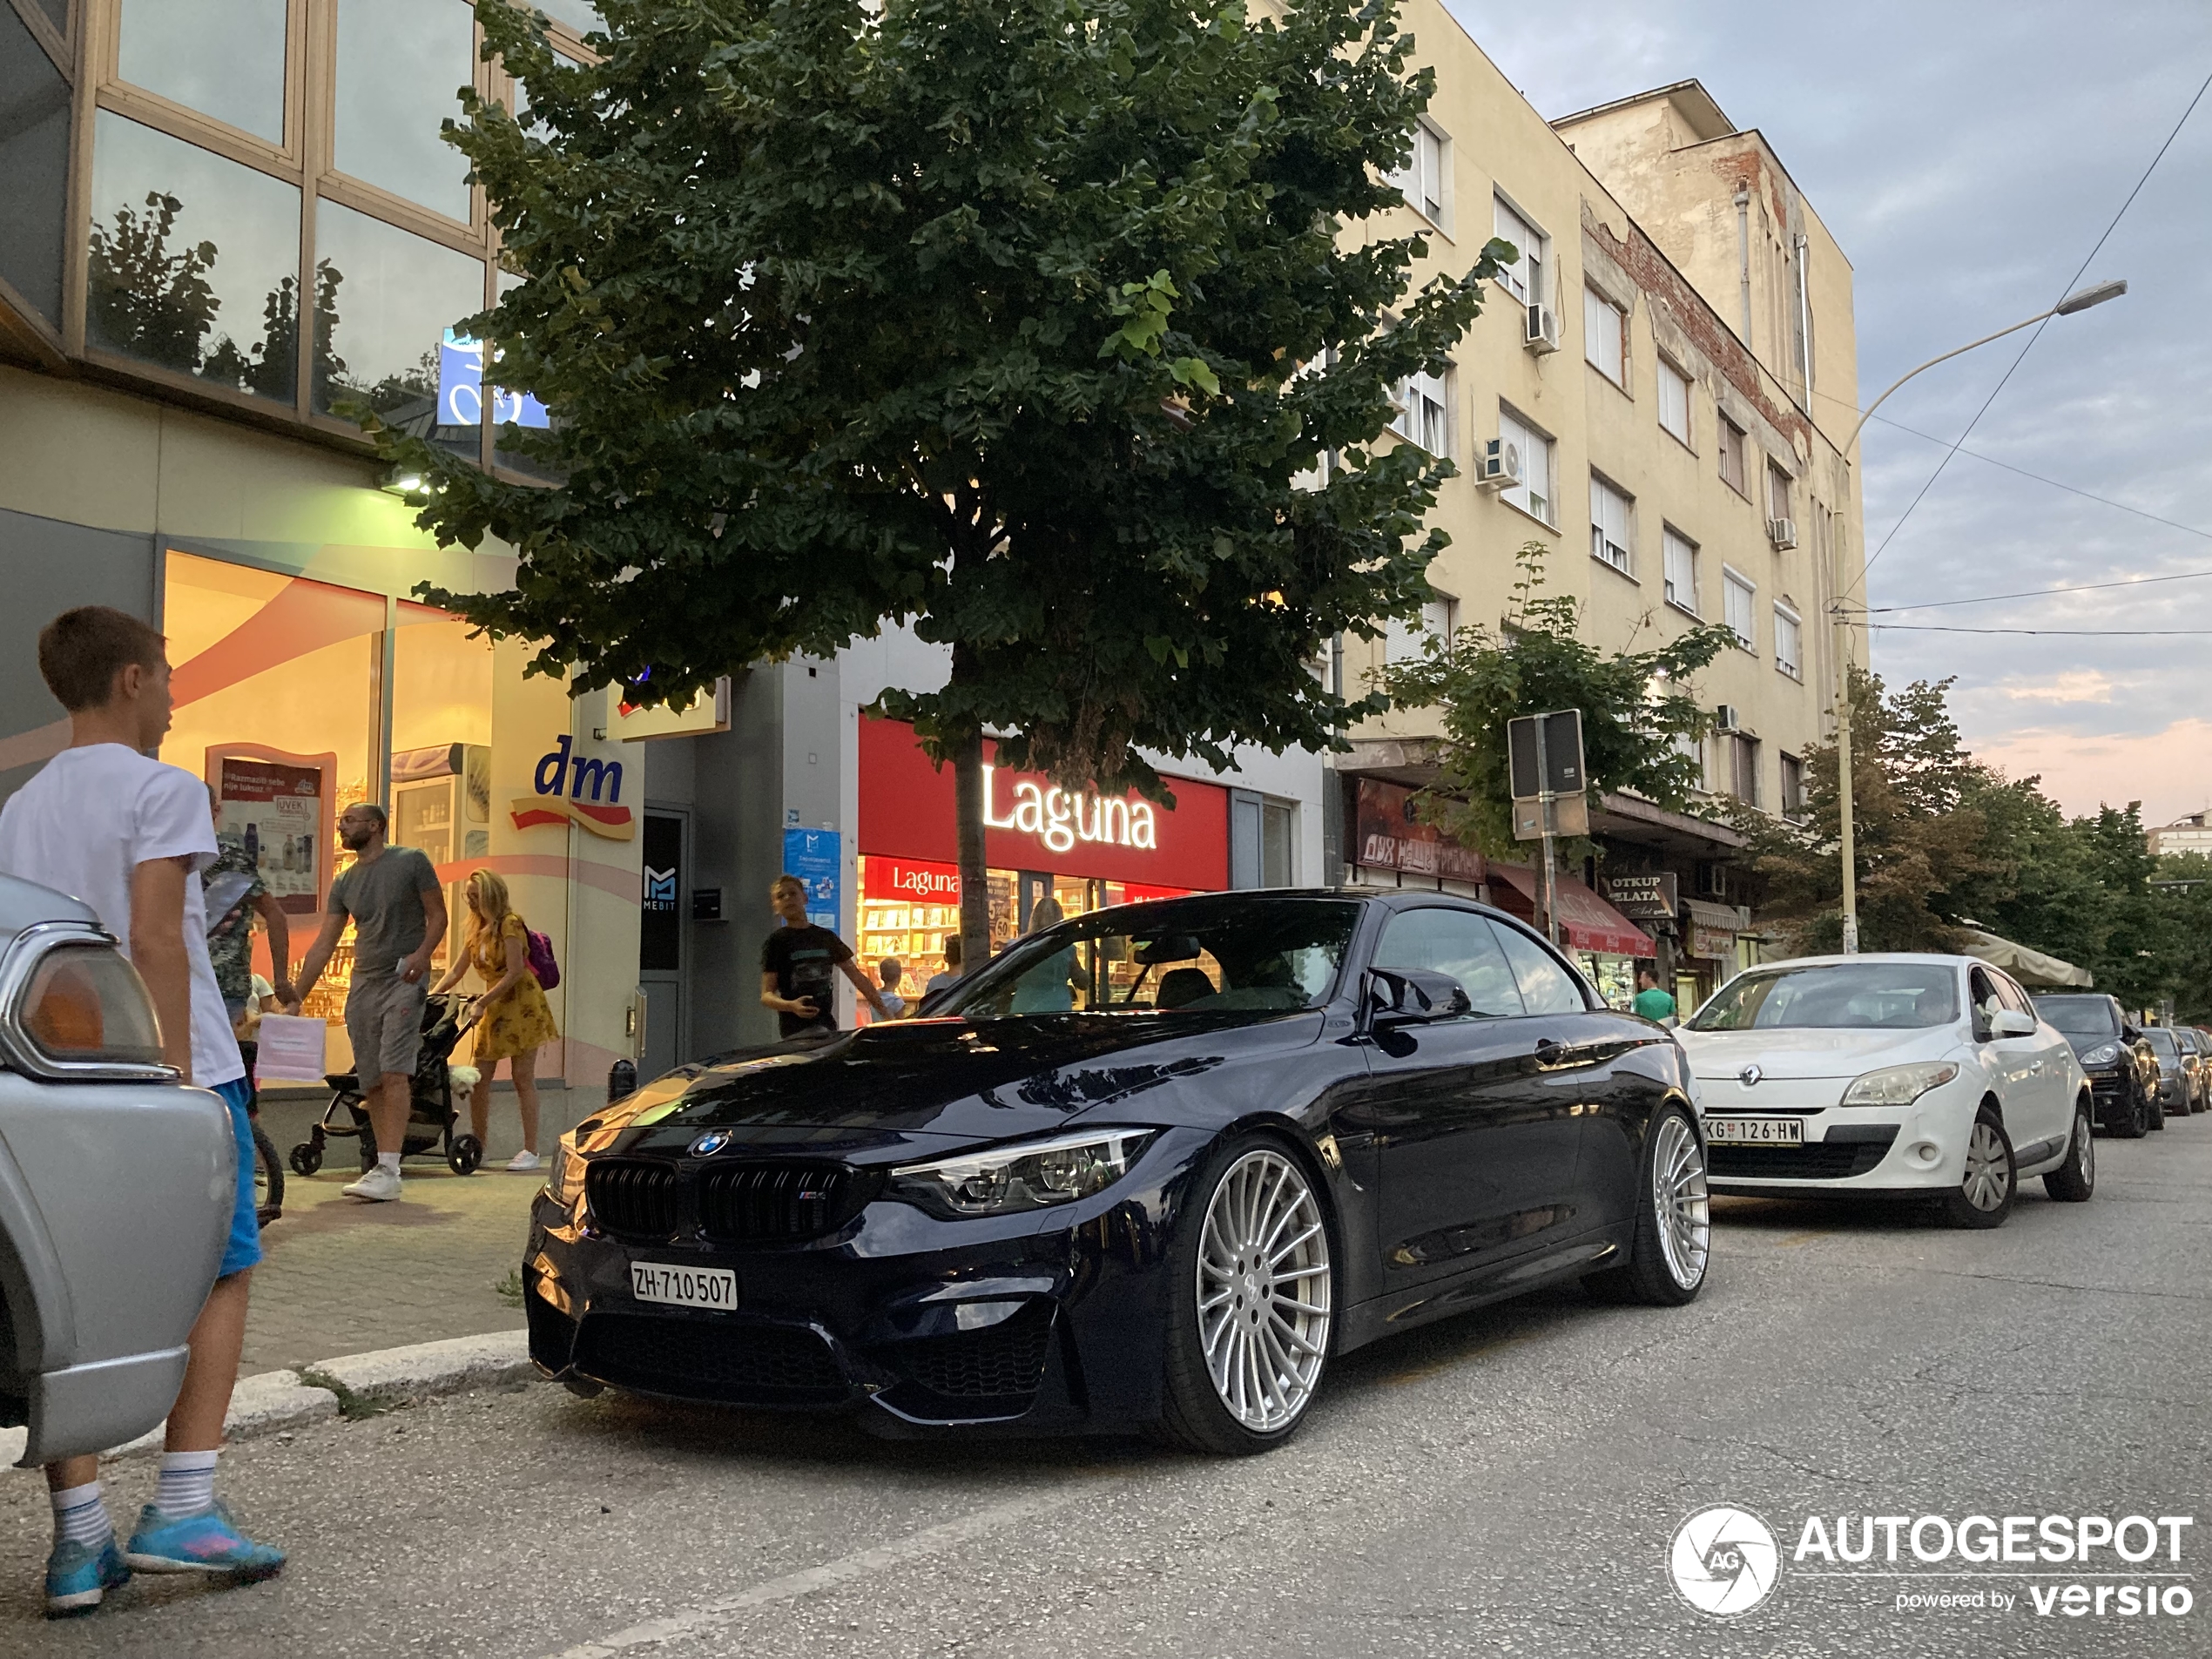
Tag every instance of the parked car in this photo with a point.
(2122, 1069)
(2195, 1066)
(115, 1187)
(1152, 1168)
(2176, 1084)
(1903, 1074)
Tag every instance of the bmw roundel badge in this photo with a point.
(1748, 1077)
(711, 1143)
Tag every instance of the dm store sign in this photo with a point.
(576, 789)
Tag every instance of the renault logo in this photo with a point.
(711, 1143)
(1750, 1076)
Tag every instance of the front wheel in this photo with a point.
(2133, 1123)
(2157, 1107)
(2076, 1179)
(268, 1178)
(1983, 1195)
(1252, 1302)
(1674, 1236)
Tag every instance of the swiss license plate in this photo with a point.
(683, 1287)
(1755, 1131)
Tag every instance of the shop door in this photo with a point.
(663, 904)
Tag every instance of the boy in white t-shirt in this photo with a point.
(129, 836)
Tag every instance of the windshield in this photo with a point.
(1840, 995)
(2079, 1017)
(1214, 955)
(2162, 1040)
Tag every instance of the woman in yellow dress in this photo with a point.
(513, 1019)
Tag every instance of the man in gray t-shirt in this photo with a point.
(392, 897)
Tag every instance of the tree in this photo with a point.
(1637, 706)
(1017, 319)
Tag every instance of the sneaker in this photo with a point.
(523, 1163)
(380, 1186)
(78, 1575)
(208, 1542)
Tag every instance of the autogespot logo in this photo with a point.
(1724, 1560)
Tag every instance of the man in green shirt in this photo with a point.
(1650, 1002)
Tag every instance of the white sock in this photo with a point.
(187, 1484)
(80, 1517)
(388, 1160)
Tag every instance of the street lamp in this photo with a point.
(2080, 300)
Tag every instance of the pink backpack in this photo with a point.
(543, 968)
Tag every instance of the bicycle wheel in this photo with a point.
(268, 1178)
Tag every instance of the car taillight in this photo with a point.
(85, 1005)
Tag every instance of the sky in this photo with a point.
(1968, 156)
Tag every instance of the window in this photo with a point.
(399, 62)
(1260, 841)
(1532, 495)
(1740, 750)
(1793, 787)
(1789, 643)
(1405, 638)
(1605, 336)
(1732, 455)
(1524, 278)
(1546, 988)
(1777, 492)
(224, 58)
(1674, 399)
(1423, 411)
(1462, 944)
(1421, 180)
(1738, 599)
(1609, 511)
(1681, 555)
(1693, 749)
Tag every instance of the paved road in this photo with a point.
(1507, 1482)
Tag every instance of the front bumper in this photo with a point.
(1918, 1149)
(1049, 1321)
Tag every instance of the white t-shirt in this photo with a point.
(89, 819)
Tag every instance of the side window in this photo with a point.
(2013, 997)
(1457, 942)
(1546, 988)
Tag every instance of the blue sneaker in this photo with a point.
(208, 1542)
(78, 1575)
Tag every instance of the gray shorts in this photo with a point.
(384, 1023)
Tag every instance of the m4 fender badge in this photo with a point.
(711, 1143)
(1750, 1076)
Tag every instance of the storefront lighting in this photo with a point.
(406, 484)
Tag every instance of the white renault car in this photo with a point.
(1899, 1075)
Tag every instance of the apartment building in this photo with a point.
(1654, 390)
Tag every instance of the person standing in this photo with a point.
(890, 971)
(514, 1021)
(950, 977)
(1653, 1004)
(392, 897)
(799, 965)
(132, 838)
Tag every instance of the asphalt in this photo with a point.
(1507, 1482)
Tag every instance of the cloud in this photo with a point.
(2169, 770)
(2078, 685)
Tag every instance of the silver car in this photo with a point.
(115, 1187)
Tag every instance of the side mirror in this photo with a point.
(1397, 997)
(2011, 1022)
(2129, 1033)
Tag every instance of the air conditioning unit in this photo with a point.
(1501, 465)
(1783, 532)
(1543, 329)
(1728, 717)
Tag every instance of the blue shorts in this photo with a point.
(243, 1249)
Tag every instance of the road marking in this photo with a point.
(930, 1541)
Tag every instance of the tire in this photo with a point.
(1984, 1197)
(307, 1158)
(2136, 1123)
(268, 1177)
(465, 1155)
(1673, 1245)
(2157, 1106)
(1234, 1386)
(2076, 1179)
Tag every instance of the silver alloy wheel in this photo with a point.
(2086, 1138)
(1987, 1177)
(1679, 1197)
(1263, 1290)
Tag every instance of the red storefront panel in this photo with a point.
(907, 813)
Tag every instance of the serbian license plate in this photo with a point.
(1755, 1131)
(683, 1287)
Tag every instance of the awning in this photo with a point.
(2028, 967)
(1586, 921)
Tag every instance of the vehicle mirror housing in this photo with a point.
(1168, 948)
(2011, 1022)
(2129, 1033)
(1400, 996)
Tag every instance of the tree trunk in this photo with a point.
(975, 882)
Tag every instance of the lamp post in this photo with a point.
(2080, 299)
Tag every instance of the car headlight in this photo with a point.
(565, 1180)
(1899, 1085)
(2103, 1055)
(1031, 1176)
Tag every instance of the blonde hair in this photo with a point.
(488, 905)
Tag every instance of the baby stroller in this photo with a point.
(430, 1118)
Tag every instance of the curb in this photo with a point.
(354, 1385)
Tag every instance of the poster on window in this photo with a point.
(275, 811)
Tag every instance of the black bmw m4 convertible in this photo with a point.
(1152, 1168)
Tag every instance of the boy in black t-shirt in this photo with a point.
(798, 963)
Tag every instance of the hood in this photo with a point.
(933, 1085)
(2081, 1044)
(1782, 1053)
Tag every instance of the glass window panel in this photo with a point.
(222, 58)
(1682, 572)
(194, 260)
(59, 12)
(1601, 341)
(1545, 985)
(1462, 944)
(34, 168)
(442, 733)
(579, 15)
(1739, 603)
(384, 302)
(1674, 400)
(400, 64)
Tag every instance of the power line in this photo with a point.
(2069, 633)
(2040, 327)
(2035, 593)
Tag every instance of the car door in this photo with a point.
(1476, 1161)
(2040, 1111)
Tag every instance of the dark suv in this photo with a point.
(2123, 1072)
(2176, 1071)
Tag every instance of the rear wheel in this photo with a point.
(1251, 1303)
(1983, 1195)
(1667, 1262)
(268, 1178)
(2076, 1179)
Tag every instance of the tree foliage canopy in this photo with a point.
(1017, 319)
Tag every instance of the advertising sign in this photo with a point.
(817, 858)
(461, 388)
(276, 809)
(582, 790)
(1642, 898)
(708, 711)
(1391, 836)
